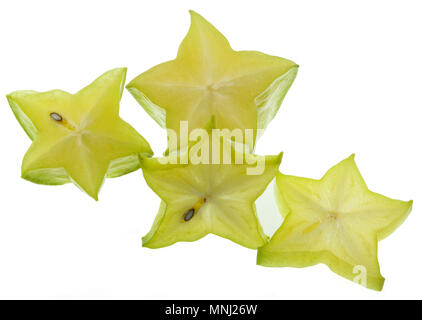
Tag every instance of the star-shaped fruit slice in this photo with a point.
(78, 137)
(199, 198)
(242, 89)
(336, 221)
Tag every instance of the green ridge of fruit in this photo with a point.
(78, 137)
(336, 221)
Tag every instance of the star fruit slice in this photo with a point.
(336, 221)
(199, 198)
(242, 89)
(78, 137)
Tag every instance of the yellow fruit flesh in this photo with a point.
(240, 89)
(336, 221)
(80, 137)
(223, 197)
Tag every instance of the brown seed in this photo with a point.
(56, 116)
(189, 214)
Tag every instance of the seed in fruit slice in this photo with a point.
(336, 221)
(198, 199)
(78, 137)
(242, 89)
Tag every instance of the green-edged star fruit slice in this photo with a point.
(336, 221)
(199, 198)
(78, 137)
(242, 89)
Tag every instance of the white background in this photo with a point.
(358, 90)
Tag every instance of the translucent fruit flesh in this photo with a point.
(198, 199)
(336, 221)
(241, 89)
(78, 137)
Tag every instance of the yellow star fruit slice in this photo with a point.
(242, 89)
(202, 198)
(78, 137)
(336, 221)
